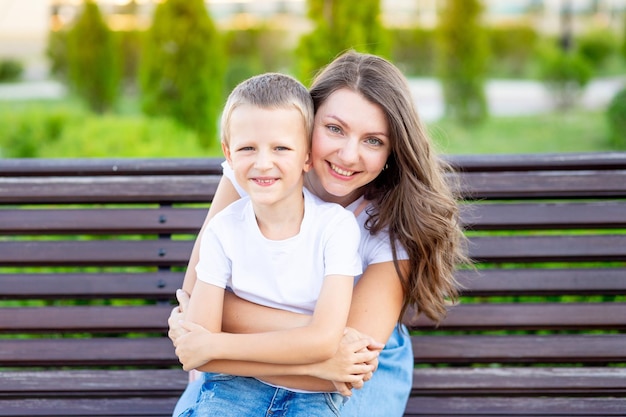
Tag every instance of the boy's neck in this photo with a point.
(282, 220)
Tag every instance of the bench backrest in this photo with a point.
(91, 252)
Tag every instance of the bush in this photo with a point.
(92, 57)
(182, 67)
(414, 51)
(10, 70)
(564, 73)
(597, 46)
(511, 50)
(616, 114)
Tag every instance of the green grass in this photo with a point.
(574, 131)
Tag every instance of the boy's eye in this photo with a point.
(246, 148)
(282, 148)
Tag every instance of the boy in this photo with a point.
(280, 246)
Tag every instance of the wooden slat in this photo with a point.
(452, 406)
(128, 189)
(121, 351)
(543, 282)
(516, 381)
(467, 349)
(530, 316)
(101, 407)
(529, 216)
(566, 248)
(93, 382)
(150, 318)
(101, 221)
(162, 252)
(50, 286)
(544, 184)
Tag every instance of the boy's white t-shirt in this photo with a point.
(372, 248)
(286, 274)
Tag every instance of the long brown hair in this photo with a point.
(411, 198)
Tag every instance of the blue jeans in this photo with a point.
(385, 395)
(226, 395)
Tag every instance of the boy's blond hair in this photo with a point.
(271, 91)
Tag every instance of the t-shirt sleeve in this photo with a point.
(341, 252)
(228, 172)
(377, 248)
(214, 266)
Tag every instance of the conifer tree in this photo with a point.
(93, 67)
(340, 25)
(462, 60)
(182, 67)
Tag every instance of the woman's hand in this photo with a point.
(353, 364)
(191, 345)
(177, 316)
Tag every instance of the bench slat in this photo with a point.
(515, 406)
(139, 189)
(100, 351)
(529, 216)
(101, 221)
(157, 406)
(148, 285)
(521, 349)
(566, 316)
(162, 252)
(543, 282)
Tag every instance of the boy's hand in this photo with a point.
(190, 345)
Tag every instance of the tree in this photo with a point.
(182, 67)
(462, 60)
(340, 25)
(93, 67)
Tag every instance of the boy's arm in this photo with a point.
(315, 342)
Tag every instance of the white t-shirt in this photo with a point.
(372, 248)
(286, 274)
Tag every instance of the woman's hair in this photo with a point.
(270, 91)
(411, 197)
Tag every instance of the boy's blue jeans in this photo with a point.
(385, 395)
(226, 395)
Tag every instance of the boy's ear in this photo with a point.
(226, 152)
(307, 162)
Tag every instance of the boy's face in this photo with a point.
(268, 152)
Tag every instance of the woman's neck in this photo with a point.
(313, 185)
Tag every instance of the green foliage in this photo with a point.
(182, 67)
(511, 49)
(339, 25)
(92, 59)
(56, 51)
(254, 51)
(565, 73)
(414, 50)
(10, 70)
(616, 114)
(597, 46)
(462, 60)
(129, 54)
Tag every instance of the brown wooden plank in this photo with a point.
(531, 316)
(160, 252)
(119, 189)
(120, 351)
(521, 349)
(93, 382)
(516, 381)
(43, 167)
(101, 407)
(530, 216)
(544, 184)
(61, 286)
(101, 221)
(566, 248)
(451, 406)
(149, 318)
(525, 281)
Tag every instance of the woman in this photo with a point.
(371, 154)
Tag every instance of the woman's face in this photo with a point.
(350, 147)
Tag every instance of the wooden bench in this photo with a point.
(91, 252)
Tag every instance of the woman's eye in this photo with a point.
(374, 141)
(334, 129)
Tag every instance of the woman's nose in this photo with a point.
(349, 152)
